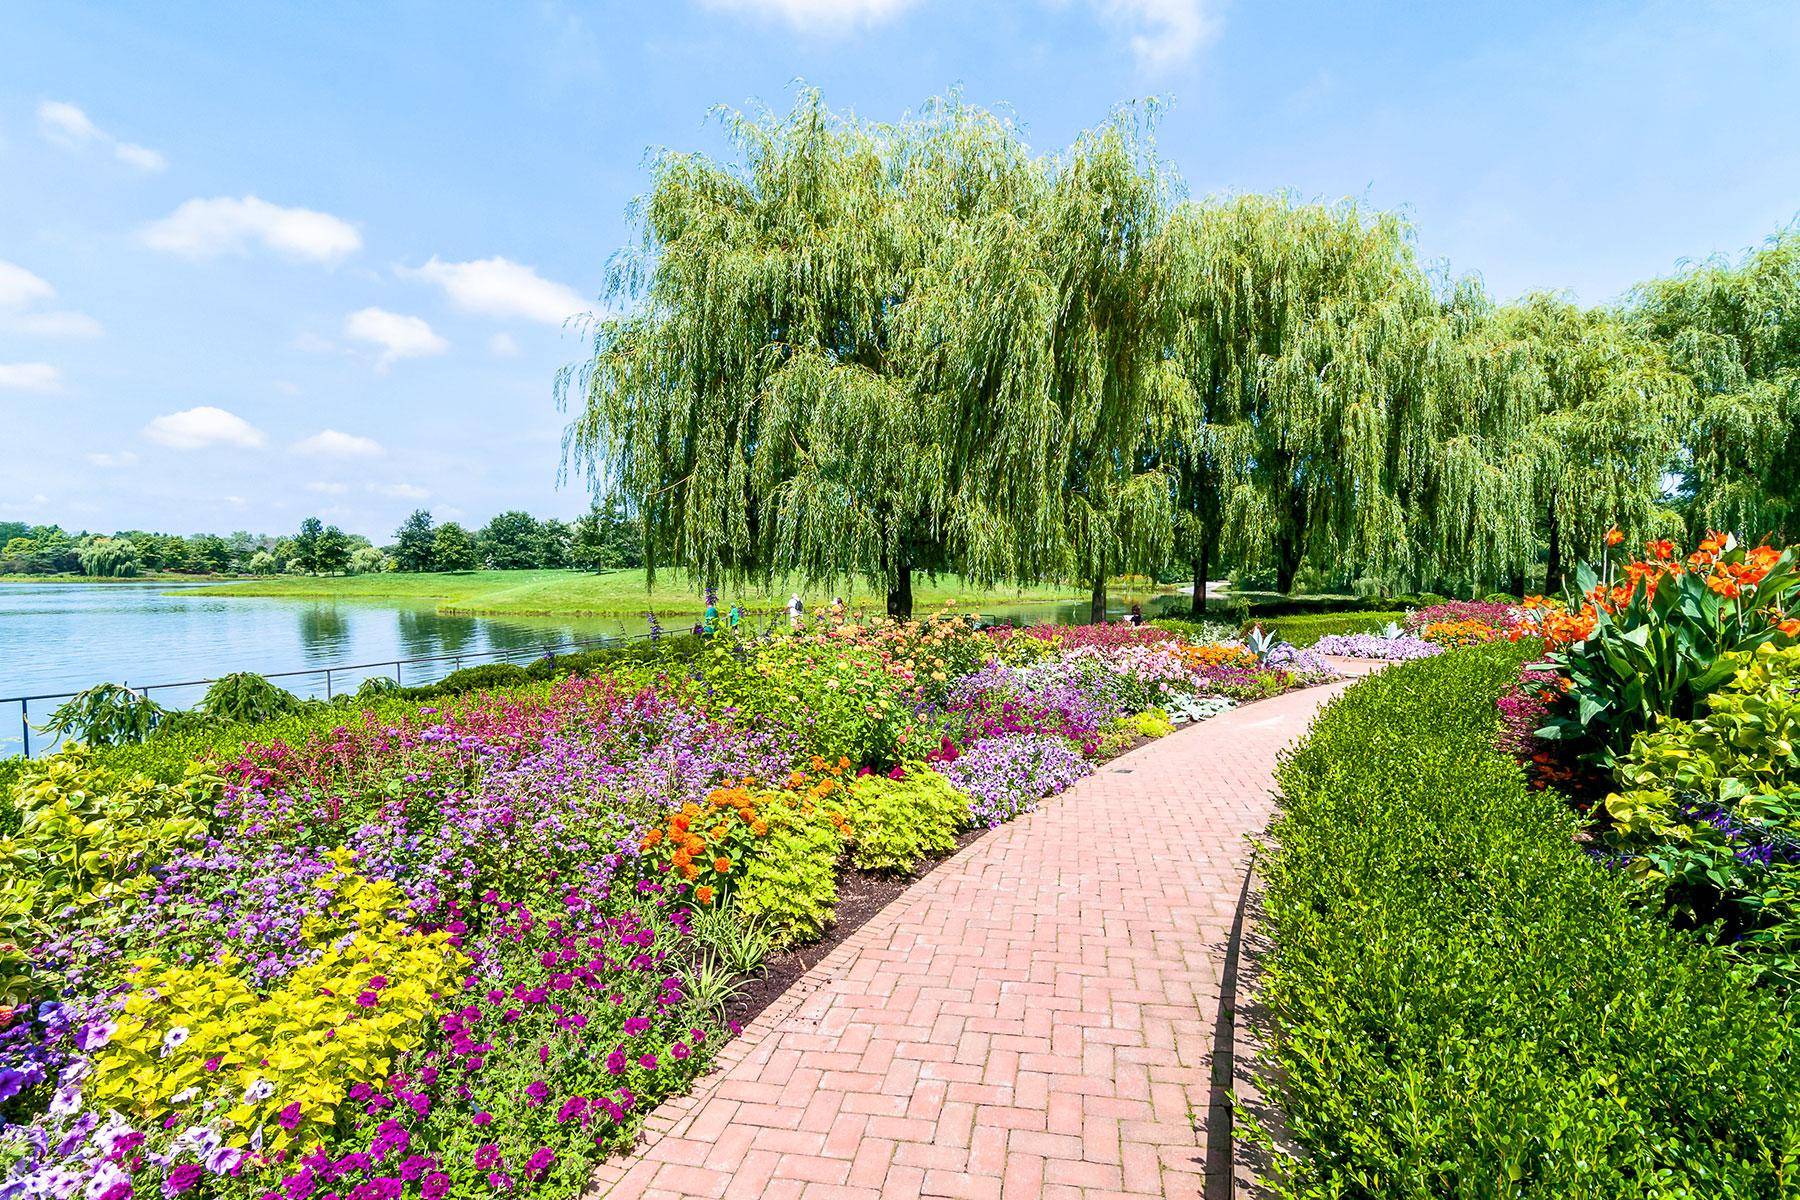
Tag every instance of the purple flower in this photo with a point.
(181, 1178)
(289, 1117)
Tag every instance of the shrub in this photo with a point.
(790, 882)
(1463, 1004)
(106, 714)
(484, 678)
(897, 823)
(247, 696)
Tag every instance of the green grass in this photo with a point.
(614, 593)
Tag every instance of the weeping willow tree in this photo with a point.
(1600, 425)
(760, 403)
(867, 349)
(1734, 330)
(1304, 335)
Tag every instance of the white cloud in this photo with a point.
(814, 15)
(329, 443)
(503, 345)
(141, 157)
(65, 124)
(196, 428)
(123, 458)
(53, 324)
(401, 491)
(68, 126)
(499, 287)
(20, 290)
(398, 335)
(19, 287)
(30, 377)
(328, 489)
(231, 225)
(1163, 33)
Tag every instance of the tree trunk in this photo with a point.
(900, 597)
(1518, 583)
(1097, 604)
(1202, 568)
(1286, 567)
(1553, 568)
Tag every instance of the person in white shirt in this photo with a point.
(796, 612)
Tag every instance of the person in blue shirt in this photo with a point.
(736, 616)
(710, 622)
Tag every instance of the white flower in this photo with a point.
(259, 1091)
(173, 1039)
(66, 1102)
(76, 1071)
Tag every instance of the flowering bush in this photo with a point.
(1465, 632)
(1007, 775)
(1374, 645)
(1464, 612)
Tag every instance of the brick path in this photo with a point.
(1033, 1018)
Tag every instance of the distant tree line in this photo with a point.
(602, 539)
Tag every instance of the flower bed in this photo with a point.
(1375, 645)
(460, 949)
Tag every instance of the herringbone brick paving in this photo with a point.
(1033, 1018)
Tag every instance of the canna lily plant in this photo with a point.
(1654, 644)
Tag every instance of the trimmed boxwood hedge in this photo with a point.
(1463, 1003)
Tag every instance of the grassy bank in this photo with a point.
(614, 593)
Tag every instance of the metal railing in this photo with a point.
(371, 669)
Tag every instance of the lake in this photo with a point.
(63, 637)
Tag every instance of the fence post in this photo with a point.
(397, 673)
(25, 724)
(328, 683)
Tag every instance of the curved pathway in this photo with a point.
(1033, 1018)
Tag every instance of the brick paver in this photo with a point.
(1033, 1018)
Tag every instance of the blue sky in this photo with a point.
(264, 261)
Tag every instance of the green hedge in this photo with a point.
(1305, 630)
(1464, 1004)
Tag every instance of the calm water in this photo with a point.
(57, 637)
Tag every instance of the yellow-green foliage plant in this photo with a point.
(790, 884)
(896, 824)
(190, 1034)
(86, 842)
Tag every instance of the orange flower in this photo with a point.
(759, 828)
(653, 839)
(690, 871)
(1613, 536)
(1662, 549)
(703, 894)
(722, 865)
(1789, 627)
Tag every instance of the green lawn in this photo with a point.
(615, 593)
